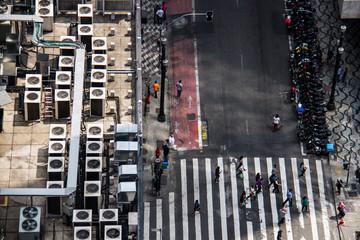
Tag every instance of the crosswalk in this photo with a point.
(223, 217)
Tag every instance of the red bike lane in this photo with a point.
(183, 111)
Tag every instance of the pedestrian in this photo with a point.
(257, 177)
(196, 207)
(276, 121)
(279, 235)
(276, 185)
(339, 71)
(156, 8)
(217, 174)
(156, 88)
(340, 207)
(157, 164)
(252, 192)
(166, 152)
(344, 74)
(157, 152)
(240, 170)
(160, 15)
(342, 213)
(289, 197)
(259, 185)
(339, 184)
(243, 199)
(274, 170)
(179, 89)
(302, 169)
(172, 141)
(282, 213)
(164, 7)
(305, 204)
(271, 180)
(239, 163)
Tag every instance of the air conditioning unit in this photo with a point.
(56, 148)
(133, 221)
(68, 39)
(55, 184)
(108, 215)
(123, 151)
(82, 217)
(92, 188)
(94, 148)
(33, 82)
(56, 164)
(95, 131)
(126, 132)
(99, 61)
(68, 50)
(97, 101)
(57, 131)
(82, 233)
(127, 172)
(29, 223)
(126, 192)
(63, 79)
(62, 103)
(85, 30)
(99, 44)
(85, 13)
(32, 102)
(112, 232)
(93, 168)
(66, 63)
(44, 8)
(98, 77)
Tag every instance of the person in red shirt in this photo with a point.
(157, 152)
(156, 88)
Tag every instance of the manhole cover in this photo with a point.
(190, 116)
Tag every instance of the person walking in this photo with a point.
(272, 179)
(160, 15)
(339, 184)
(274, 170)
(156, 88)
(240, 170)
(305, 204)
(340, 207)
(276, 121)
(257, 177)
(279, 235)
(344, 74)
(196, 207)
(282, 213)
(179, 88)
(276, 185)
(164, 7)
(252, 192)
(289, 197)
(172, 141)
(217, 174)
(166, 152)
(259, 185)
(243, 199)
(339, 71)
(302, 169)
(156, 8)
(157, 152)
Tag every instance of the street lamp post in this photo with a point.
(340, 50)
(163, 62)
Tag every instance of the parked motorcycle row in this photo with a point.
(306, 84)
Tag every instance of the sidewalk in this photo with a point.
(344, 121)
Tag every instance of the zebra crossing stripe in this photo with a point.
(172, 215)
(222, 201)
(196, 197)
(284, 189)
(246, 181)
(261, 203)
(209, 196)
(274, 211)
(250, 234)
(146, 220)
(235, 201)
(311, 200)
(185, 211)
(158, 219)
(297, 191)
(325, 217)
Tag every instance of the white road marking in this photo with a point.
(222, 200)
(274, 210)
(325, 217)
(197, 197)
(250, 234)
(235, 201)
(261, 203)
(158, 219)
(311, 201)
(247, 127)
(197, 88)
(172, 215)
(246, 182)
(209, 195)
(146, 220)
(302, 149)
(185, 211)
(284, 189)
(297, 191)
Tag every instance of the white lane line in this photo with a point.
(197, 197)
(250, 234)
(197, 90)
(284, 189)
(172, 215)
(297, 191)
(222, 200)
(209, 196)
(246, 182)
(311, 200)
(325, 217)
(158, 219)
(146, 220)
(302, 149)
(235, 201)
(247, 127)
(261, 203)
(185, 211)
(274, 210)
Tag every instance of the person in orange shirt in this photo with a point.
(156, 88)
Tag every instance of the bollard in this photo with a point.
(112, 31)
(129, 61)
(130, 110)
(112, 61)
(129, 95)
(129, 44)
(129, 79)
(129, 31)
(112, 46)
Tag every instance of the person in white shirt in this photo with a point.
(160, 15)
(276, 121)
(172, 141)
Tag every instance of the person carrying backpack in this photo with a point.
(271, 180)
(305, 204)
(196, 207)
